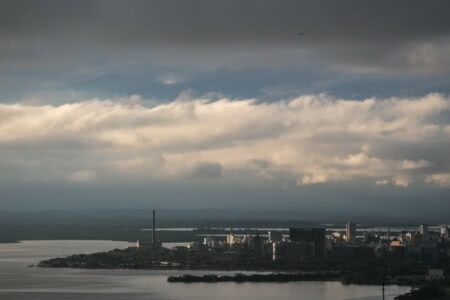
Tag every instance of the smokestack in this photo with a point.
(154, 229)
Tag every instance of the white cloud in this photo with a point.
(411, 164)
(170, 79)
(400, 181)
(314, 178)
(440, 179)
(310, 139)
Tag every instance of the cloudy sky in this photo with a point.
(313, 105)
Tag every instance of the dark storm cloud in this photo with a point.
(45, 30)
(212, 21)
(62, 51)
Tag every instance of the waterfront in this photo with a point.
(18, 281)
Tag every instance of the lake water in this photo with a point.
(18, 281)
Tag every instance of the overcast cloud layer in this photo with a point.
(60, 49)
(367, 34)
(306, 140)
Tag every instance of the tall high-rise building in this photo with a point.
(444, 231)
(231, 239)
(350, 231)
(311, 235)
(423, 230)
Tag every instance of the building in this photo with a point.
(444, 232)
(256, 245)
(293, 252)
(352, 253)
(435, 274)
(423, 230)
(232, 239)
(310, 235)
(350, 231)
(412, 238)
(274, 251)
(397, 250)
(275, 236)
(429, 252)
(154, 241)
(209, 242)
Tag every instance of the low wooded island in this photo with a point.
(272, 277)
(370, 272)
(377, 272)
(430, 291)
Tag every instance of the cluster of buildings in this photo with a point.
(351, 244)
(299, 244)
(421, 245)
(425, 245)
(256, 244)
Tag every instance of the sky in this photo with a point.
(297, 105)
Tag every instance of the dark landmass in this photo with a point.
(273, 277)
(432, 291)
(427, 291)
(375, 272)
(181, 258)
(345, 278)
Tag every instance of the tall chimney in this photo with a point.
(154, 229)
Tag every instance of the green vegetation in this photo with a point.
(273, 277)
(130, 258)
(371, 272)
(432, 291)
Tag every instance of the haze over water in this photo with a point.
(18, 281)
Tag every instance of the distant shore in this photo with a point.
(426, 291)
(164, 259)
(9, 241)
(265, 275)
(344, 278)
(272, 277)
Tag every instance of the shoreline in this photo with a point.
(274, 278)
(184, 261)
(9, 241)
(253, 275)
(263, 278)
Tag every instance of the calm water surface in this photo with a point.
(18, 281)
